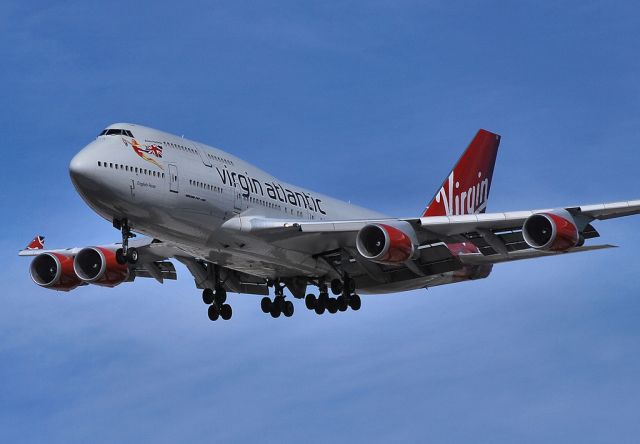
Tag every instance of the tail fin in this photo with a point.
(36, 244)
(466, 189)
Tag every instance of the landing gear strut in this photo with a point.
(125, 254)
(279, 305)
(345, 288)
(216, 300)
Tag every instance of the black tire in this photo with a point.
(336, 286)
(288, 309)
(343, 304)
(355, 303)
(310, 301)
(226, 312)
(221, 296)
(265, 305)
(207, 296)
(332, 306)
(213, 313)
(120, 257)
(279, 302)
(275, 311)
(320, 307)
(132, 255)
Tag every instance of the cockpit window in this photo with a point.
(116, 132)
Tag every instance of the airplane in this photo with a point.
(238, 229)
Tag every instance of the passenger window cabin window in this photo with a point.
(99, 163)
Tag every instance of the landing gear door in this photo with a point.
(203, 155)
(173, 178)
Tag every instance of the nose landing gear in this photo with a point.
(125, 254)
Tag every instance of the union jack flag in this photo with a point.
(155, 150)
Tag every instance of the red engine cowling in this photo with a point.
(385, 244)
(98, 265)
(548, 231)
(54, 271)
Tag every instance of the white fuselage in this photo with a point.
(182, 192)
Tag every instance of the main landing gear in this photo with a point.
(216, 302)
(125, 254)
(348, 298)
(279, 305)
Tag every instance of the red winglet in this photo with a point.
(36, 244)
(466, 188)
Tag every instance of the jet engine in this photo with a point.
(549, 231)
(54, 271)
(98, 265)
(386, 244)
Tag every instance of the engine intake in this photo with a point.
(384, 244)
(548, 231)
(97, 265)
(54, 271)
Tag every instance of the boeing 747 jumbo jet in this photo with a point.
(238, 229)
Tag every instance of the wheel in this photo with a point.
(279, 302)
(265, 304)
(310, 301)
(288, 309)
(336, 286)
(275, 311)
(226, 312)
(120, 257)
(213, 313)
(332, 305)
(132, 255)
(221, 295)
(207, 296)
(343, 304)
(320, 307)
(355, 302)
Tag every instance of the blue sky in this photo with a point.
(367, 101)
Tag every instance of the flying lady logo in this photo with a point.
(470, 201)
(146, 151)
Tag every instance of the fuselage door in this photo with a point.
(173, 178)
(203, 155)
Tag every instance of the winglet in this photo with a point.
(36, 244)
(466, 188)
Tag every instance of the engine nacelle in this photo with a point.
(54, 271)
(385, 244)
(98, 265)
(549, 231)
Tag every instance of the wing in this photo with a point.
(498, 237)
(152, 263)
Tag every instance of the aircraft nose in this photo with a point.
(83, 169)
(80, 166)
